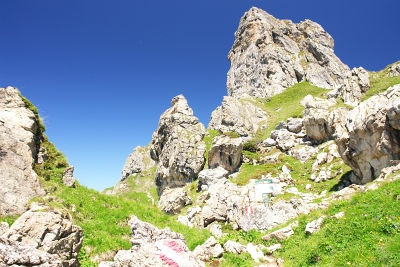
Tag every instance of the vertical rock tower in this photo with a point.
(177, 146)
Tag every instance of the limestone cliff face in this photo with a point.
(270, 55)
(19, 142)
(177, 146)
(371, 138)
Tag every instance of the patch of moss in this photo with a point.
(29, 105)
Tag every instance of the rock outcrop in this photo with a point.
(177, 146)
(394, 69)
(225, 152)
(173, 200)
(371, 139)
(154, 247)
(241, 116)
(68, 177)
(19, 142)
(47, 231)
(321, 121)
(138, 161)
(270, 55)
(14, 254)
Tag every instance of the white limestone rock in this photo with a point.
(371, 139)
(68, 177)
(138, 161)
(177, 146)
(48, 231)
(225, 152)
(19, 144)
(241, 116)
(270, 55)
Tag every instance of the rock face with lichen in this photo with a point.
(20, 138)
(177, 146)
(270, 55)
(241, 116)
(138, 161)
(371, 139)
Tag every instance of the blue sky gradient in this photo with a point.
(102, 72)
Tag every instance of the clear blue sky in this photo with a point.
(102, 72)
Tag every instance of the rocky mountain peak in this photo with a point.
(270, 55)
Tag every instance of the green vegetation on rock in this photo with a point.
(380, 81)
(285, 105)
(34, 109)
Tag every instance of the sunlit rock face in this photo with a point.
(177, 146)
(19, 143)
(270, 55)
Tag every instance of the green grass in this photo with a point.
(104, 218)
(8, 219)
(285, 105)
(300, 172)
(235, 260)
(367, 235)
(379, 82)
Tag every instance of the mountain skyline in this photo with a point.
(102, 74)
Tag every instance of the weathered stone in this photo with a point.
(281, 126)
(13, 253)
(372, 135)
(302, 152)
(320, 123)
(394, 69)
(271, 249)
(280, 234)
(215, 229)
(3, 228)
(173, 200)
(269, 142)
(138, 161)
(154, 247)
(68, 177)
(178, 146)
(285, 140)
(19, 143)
(270, 55)
(210, 176)
(294, 125)
(225, 152)
(234, 247)
(209, 249)
(338, 215)
(241, 116)
(314, 226)
(48, 231)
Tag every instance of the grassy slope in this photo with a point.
(367, 235)
(285, 105)
(379, 82)
(104, 218)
